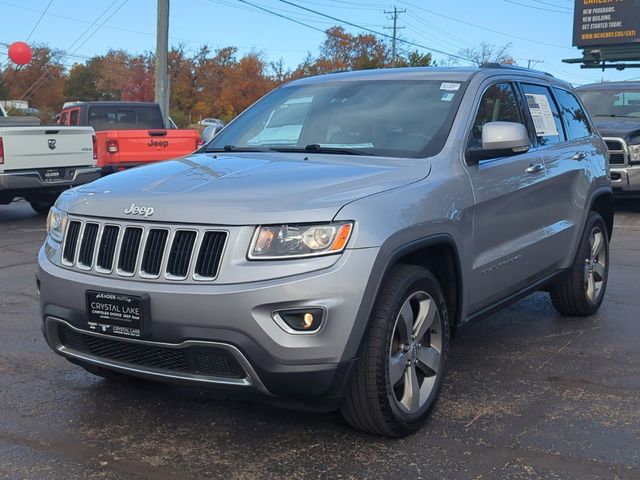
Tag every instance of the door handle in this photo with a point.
(535, 168)
(579, 156)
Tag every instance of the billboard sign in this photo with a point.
(606, 22)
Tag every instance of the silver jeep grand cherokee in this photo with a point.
(324, 245)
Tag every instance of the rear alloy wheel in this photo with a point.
(595, 266)
(581, 291)
(399, 374)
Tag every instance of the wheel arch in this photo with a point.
(438, 253)
(602, 202)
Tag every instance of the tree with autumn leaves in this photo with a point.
(205, 83)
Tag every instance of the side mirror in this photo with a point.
(500, 139)
(210, 132)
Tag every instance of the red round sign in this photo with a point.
(20, 53)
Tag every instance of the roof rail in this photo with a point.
(512, 67)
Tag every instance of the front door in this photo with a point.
(510, 208)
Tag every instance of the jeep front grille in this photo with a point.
(617, 151)
(143, 251)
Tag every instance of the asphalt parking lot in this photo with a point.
(528, 394)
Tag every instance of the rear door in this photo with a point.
(568, 164)
(510, 206)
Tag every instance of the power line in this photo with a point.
(381, 34)
(280, 15)
(536, 8)
(39, 20)
(46, 74)
(481, 27)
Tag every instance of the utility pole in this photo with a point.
(394, 16)
(162, 48)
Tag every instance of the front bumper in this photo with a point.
(626, 180)
(35, 179)
(234, 317)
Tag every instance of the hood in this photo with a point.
(621, 127)
(242, 189)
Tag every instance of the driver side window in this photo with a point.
(498, 104)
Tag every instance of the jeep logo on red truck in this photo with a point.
(158, 143)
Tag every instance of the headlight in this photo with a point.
(634, 153)
(291, 241)
(57, 224)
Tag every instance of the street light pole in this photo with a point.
(162, 48)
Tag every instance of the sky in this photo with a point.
(539, 31)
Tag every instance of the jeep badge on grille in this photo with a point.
(136, 210)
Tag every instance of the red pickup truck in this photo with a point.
(130, 133)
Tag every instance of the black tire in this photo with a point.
(42, 205)
(372, 402)
(571, 295)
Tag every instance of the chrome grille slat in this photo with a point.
(129, 250)
(154, 252)
(88, 245)
(210, 254)
(180, 254)
(71, 242)
(107, 248)
(145, 251)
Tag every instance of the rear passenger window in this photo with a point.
(574, 117)
(498, 104)
(544, 113)
(74, 117)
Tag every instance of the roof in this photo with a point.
(609, 85)
(111, 104)
(461, 74)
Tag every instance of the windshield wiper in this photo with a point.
(233, 148)
(317, 148)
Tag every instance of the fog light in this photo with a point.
(303, 320)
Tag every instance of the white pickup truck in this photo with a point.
(38, 162)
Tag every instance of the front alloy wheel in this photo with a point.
(416, 345)
(399, 374)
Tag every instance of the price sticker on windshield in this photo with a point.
(451, 87)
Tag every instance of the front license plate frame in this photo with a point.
(117, 314)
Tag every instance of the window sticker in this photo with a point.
(542, 115)
(447, 97)
(450, 86)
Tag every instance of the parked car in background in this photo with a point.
(130, 133)
(324, 245)
(615, 109)
(38, 162)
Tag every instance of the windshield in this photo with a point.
(388, 118)
(614, 102)
(125, 118)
